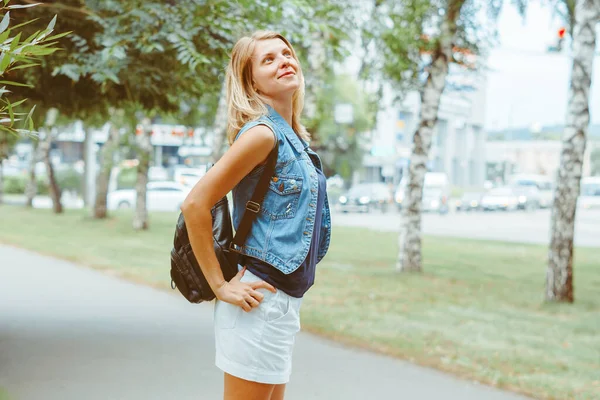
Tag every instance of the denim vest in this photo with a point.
(282, 231)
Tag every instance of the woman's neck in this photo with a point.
(283, 108)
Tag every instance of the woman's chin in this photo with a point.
(284, 91)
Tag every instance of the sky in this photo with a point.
(526, 86)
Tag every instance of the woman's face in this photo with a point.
(274, 69)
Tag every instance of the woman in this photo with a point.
(257, 312)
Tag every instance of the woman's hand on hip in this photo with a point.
(243, 294)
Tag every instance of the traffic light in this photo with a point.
(562, 32)
(561, 38)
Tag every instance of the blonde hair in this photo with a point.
(245, 104)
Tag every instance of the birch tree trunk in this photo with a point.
(31, 188)
(219, 128)
(409, 238)
(89, 166)
(106, 164)
(55, 192)
(559, 275)
(140, 218)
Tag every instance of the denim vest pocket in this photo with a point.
(281, 201)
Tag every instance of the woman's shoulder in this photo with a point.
(263, 120)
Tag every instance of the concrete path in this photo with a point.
(71, 333)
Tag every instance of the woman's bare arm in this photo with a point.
(249, 150)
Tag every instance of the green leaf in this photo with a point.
(29, 120)
(36, 51)
(24, 66)
(5, 59)
(52, 23)
(22, 6)
(10, 113)
(4, 36)
(5, 22)
(14, 43)
(18, 103)
(23, 24)
(30, 38)
(6, 2)
(15, 84)
(58, 36)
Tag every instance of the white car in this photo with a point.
(189, 176)
(436, 191)
(501, 198)
(590, 192)
(542, 183)
(160, 196)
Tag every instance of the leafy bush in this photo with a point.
(71, 180)
(17, 185)
(14, 185)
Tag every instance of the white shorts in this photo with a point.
(257, 345)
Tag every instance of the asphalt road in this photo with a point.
(71, 333)
(518, 226)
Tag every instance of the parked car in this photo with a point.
(541, 182)
(436, 190)
(366, 196)
(160, 196)
(434, 200)
(469, 201)
(590, 192)
(529, 197)
(158, 174)
(188, 176)
(500, 198)
(335, 182)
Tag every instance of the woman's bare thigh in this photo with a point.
(278, 392)
(241, 389)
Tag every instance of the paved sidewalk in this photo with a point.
(71, 333)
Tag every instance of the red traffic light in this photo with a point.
(561, 33)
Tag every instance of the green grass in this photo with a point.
(4, 394)
(477, 310)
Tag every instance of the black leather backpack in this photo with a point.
(186, 274)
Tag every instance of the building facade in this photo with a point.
(458, 147)
(539, 157)
(172, 144)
